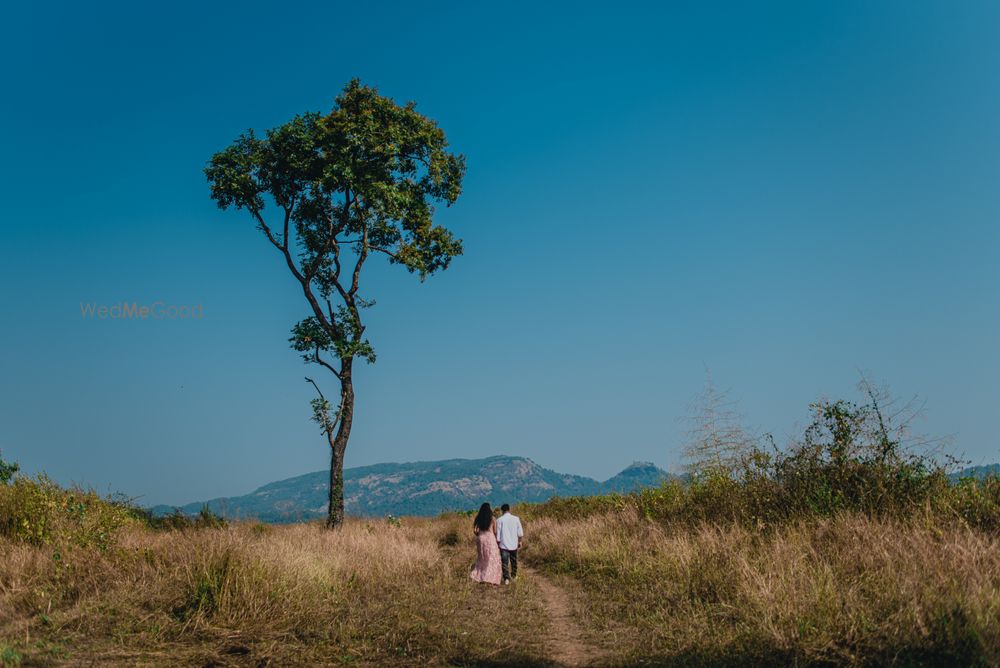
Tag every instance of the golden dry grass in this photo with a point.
(847, 590)
(844, 591)
(372, 594)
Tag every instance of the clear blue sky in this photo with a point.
(784, 193)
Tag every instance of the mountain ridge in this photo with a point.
(419, 488)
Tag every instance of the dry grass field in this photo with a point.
(614, 581)
(843, 591)
(249, 594)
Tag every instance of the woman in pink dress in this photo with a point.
(487, 568)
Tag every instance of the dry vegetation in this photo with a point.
(848, 590)
(849, 547)
(844, 549)
(92, 582)
(375, 593)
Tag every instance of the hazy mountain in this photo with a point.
(636, 476)
(420, 488)
(979, 472)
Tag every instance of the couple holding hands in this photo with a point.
(497, 543)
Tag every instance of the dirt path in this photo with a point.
(566, 643)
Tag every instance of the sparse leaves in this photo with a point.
(313, 340)
(717, 444)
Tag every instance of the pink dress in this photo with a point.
(487, 568)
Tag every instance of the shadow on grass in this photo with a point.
(931, 655)
(962, 651)
(507, 661)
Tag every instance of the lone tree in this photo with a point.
(362, 180)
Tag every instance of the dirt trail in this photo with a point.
(566, 643)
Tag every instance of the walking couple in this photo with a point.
(497, 543)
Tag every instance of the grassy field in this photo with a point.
(610, 581)
(843, 591)
(371, 594)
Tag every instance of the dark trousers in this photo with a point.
(508, 558)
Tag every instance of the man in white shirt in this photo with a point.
(509, 535)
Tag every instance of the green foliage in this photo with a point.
(362, 179)
(206, 518)
(39, 512)
(975, 502)
(323, 414)
(209, 587)
(7, 471)
(849, 460)
(450, 538)
(9, 656)
(178, 520)
(310, 337)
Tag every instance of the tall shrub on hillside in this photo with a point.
(717, 442)
(7, 471)
(40, 512)
(859, 456)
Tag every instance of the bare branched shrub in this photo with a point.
(717, 442)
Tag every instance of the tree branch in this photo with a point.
(387, 252)
(362, 256)
(323, 362)
(328, 323)
(319, 391)
(266, 230)
(328, 424)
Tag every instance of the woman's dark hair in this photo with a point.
(484, 520)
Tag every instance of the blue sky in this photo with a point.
(784, 193)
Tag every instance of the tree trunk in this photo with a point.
(335, 518)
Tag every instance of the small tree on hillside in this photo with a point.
(862, 455)
(359, 181)
(7, 470)
(876, 431)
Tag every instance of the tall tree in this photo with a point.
(358, 182)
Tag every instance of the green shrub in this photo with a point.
(178, 520)
(38, 511)
(849, 460)
(974, 501)
(9, 656)
(450, 538)
(7, 471)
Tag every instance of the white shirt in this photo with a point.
(508, 531)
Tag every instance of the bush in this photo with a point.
(39, 512)
(178, 520)
(450, 538)
(7, 471)
(849, 460)
(975, 502)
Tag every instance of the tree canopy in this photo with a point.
(362, 180)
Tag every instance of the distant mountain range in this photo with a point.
(979, 472)
(420, 488)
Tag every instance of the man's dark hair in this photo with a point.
(505, 508)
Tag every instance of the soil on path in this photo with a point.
(566, 643)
